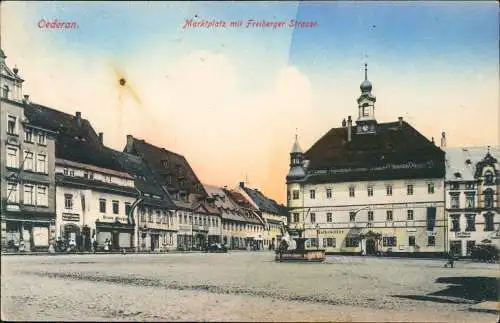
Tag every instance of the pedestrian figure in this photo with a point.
(94, 244)
(451, 260)
(106, 245)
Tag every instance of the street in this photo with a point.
(242, 286)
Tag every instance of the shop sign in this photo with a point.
(71, 217)
(330, 231)
(462, 234)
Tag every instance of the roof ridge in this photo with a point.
(157, 147)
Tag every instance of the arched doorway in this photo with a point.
(86, 240)
(71, 232)
(371, 246)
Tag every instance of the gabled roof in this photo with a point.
(264, 203)
(390, 144)
(75, 141)
(6, 72)
(395, 151)
(177, 167)
(143, 179)
(461, 162)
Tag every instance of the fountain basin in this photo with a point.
(307, 255)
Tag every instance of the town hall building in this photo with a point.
(369, 187)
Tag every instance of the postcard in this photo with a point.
(257, 161)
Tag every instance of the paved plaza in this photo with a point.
(243, 286)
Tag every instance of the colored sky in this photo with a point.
(230, 99)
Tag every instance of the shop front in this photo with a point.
(118, 235)
(32, 233)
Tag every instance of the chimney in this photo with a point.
(101, 138)
(78, 117)
(443, 139)
(400, 119)
(26, 99)
(242, 184)
(349, 129)
(343, 123)
(130, 143)
(433, 140)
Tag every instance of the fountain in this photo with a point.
(298, 253)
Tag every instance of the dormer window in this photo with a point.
(164, 163)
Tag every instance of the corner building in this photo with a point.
(369, 187)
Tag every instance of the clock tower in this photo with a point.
(366, 123)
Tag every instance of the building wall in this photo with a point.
(340, 205)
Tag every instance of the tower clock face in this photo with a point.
(365, 127)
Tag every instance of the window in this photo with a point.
(389, 241)
(150, 216)
(488, 198)
(388, 190)
(370, 190)
(313, 217)
(411, 241)
(455, 222)
(28, 160)
(469, 186)
(68, 201)
(409, 189)
(288, 195)
(295, 217)
(389, 215)
(12, 159)
(12, 196)
(488, 222)
(454, 186)
(471, 222)
(102, 205)
(431, 241)
(431, 218)
(41, 166)
(116, 207)
(158, 216)
(352, 216)
(41, 138)
(409, 215)
(41, 196)
(488, 178)
(329, 242)
(71, 172)
(328, 193)
(430, 188)
(28, 195)
(455, 201)
(12, 125)
(314, 242)
(351, 191)
(164, 163)
(370, 215)
(351, 242)
(312, 194)
(5, 92)
(328, 217)
(366, 111)
(469, 201)
(295, 194)
(28, 135)
(128, 208)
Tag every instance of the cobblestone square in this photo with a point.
(242, 286)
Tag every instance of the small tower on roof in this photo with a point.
(366, 123)
(296, 160)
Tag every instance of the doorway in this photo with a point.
(371, 247)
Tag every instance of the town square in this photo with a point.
(207, 161)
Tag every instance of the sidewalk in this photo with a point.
(45, 253)
(486, 307)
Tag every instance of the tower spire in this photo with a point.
(366, 71)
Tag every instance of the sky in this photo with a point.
(231, 99)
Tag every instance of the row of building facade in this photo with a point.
(373, 187)
(59, 181)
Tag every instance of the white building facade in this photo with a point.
(370, 188)
(472, 198)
